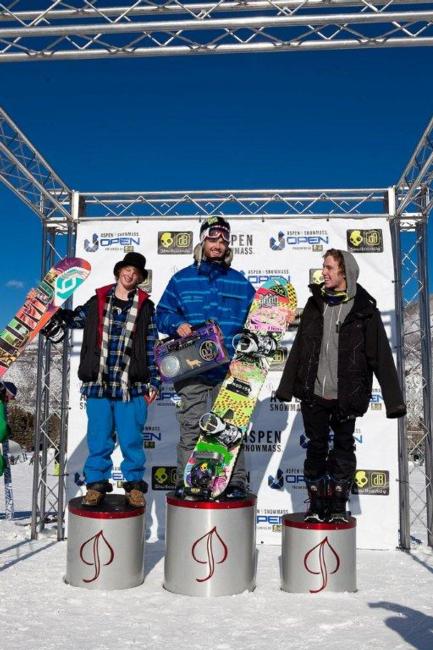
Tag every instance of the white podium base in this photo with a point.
(317, 557)
(105, 548)
(210, 547)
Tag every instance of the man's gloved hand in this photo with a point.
(55, 329)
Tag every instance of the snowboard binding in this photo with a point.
(214, 426)
(249, 343)
(55, 330)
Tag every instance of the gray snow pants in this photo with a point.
(196, 399)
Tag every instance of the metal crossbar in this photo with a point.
(86, 29)
(26, 173)
(235, 203)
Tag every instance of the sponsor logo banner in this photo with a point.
(151, 435)
(365, 241)
(270, 519)
(276, 405)
(242, 243)
(257, 277)
(293, 477)
(279, 360)
(261, 440)
(371, 481)
(175, 242)
(311, 240)
(112, 241)
(316, 276)
(163, 477)
(376, 400)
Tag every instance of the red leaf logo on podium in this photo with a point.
(322, 556)
(209, 545)
(96, 545)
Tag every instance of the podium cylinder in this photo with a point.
(210, 547)
(317, 557)
(105, 547)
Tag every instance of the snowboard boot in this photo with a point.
(95, 493)
(179, 490)
(339, 492)
(235, 491)
(317, 494)
(134, 493)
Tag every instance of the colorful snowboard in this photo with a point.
(210, 465)
(41, 304)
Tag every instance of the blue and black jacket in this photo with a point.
(203, 292)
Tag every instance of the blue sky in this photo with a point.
(331, 119)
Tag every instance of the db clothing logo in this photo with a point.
(174, 242)
(365, 241)
(279, 360)
(163, 478)
(371, 481)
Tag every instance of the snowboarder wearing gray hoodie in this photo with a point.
(340, 343)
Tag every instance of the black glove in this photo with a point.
(55, 329)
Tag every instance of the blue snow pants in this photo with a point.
(106, 418)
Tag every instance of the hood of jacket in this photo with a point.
(352, 273)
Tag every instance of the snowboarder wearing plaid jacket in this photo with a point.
(119, 376)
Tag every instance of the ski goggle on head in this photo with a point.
(215, 232)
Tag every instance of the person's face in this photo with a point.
(332, 274)
(129, 277)
(215, 249)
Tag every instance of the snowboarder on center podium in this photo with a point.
(340, 343)
(207, 289)
(119, 375)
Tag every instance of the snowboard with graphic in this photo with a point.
(40, 305)
(210, 465)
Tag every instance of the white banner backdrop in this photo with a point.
(275, 446)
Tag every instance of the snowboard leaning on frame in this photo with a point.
(40, 306)
(211, 463)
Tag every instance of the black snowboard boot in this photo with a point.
(95, 493)
(235, 491)
(339, 492)
(317, 493)
(179, 490)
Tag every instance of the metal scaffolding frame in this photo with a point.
(407, 206)
(91, 29)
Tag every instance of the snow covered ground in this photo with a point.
(393, 607)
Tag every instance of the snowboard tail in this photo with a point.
(39, 307)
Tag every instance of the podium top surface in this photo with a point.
(296, 520)
(230, 504)
(114, 506)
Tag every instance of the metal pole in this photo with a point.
(38, 406)
(45, 431)
(426, 365)
(70, 246)
(45, 389)
(403, 466)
